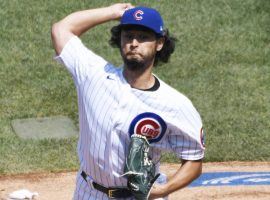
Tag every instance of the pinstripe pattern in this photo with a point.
(107, 106)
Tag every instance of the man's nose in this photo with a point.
(134, 42)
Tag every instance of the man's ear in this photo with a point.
(160, 43)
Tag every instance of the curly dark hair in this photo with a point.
(161, 56)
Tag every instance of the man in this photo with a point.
(115, 103)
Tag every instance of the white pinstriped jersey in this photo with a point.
(110, 110)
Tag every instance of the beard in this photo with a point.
(136, 64)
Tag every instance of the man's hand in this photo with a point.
(119, 9)
(189, 171)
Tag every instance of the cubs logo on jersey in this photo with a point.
(150, 125)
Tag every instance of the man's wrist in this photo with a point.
(111, 14)
(159, 191)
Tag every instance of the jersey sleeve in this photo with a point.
(186, 138)
(79, 60)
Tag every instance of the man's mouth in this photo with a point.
(132, 53)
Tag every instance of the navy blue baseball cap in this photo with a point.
(143, 16)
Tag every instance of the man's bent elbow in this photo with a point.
(60, 36)
(56, 37)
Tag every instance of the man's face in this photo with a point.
(138, 48)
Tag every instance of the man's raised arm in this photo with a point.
(79, 22)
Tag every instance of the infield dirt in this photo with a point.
(60, 186)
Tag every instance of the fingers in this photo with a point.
(129, 6)
(119, 9)
(126, 7)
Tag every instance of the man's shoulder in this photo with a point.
(172, 93)
(173, 98)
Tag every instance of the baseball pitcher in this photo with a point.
(127, 115)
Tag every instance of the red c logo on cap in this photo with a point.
(138, 15)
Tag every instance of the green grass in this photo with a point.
(221, 63)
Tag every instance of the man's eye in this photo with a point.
(143, 37)
(129, 36)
